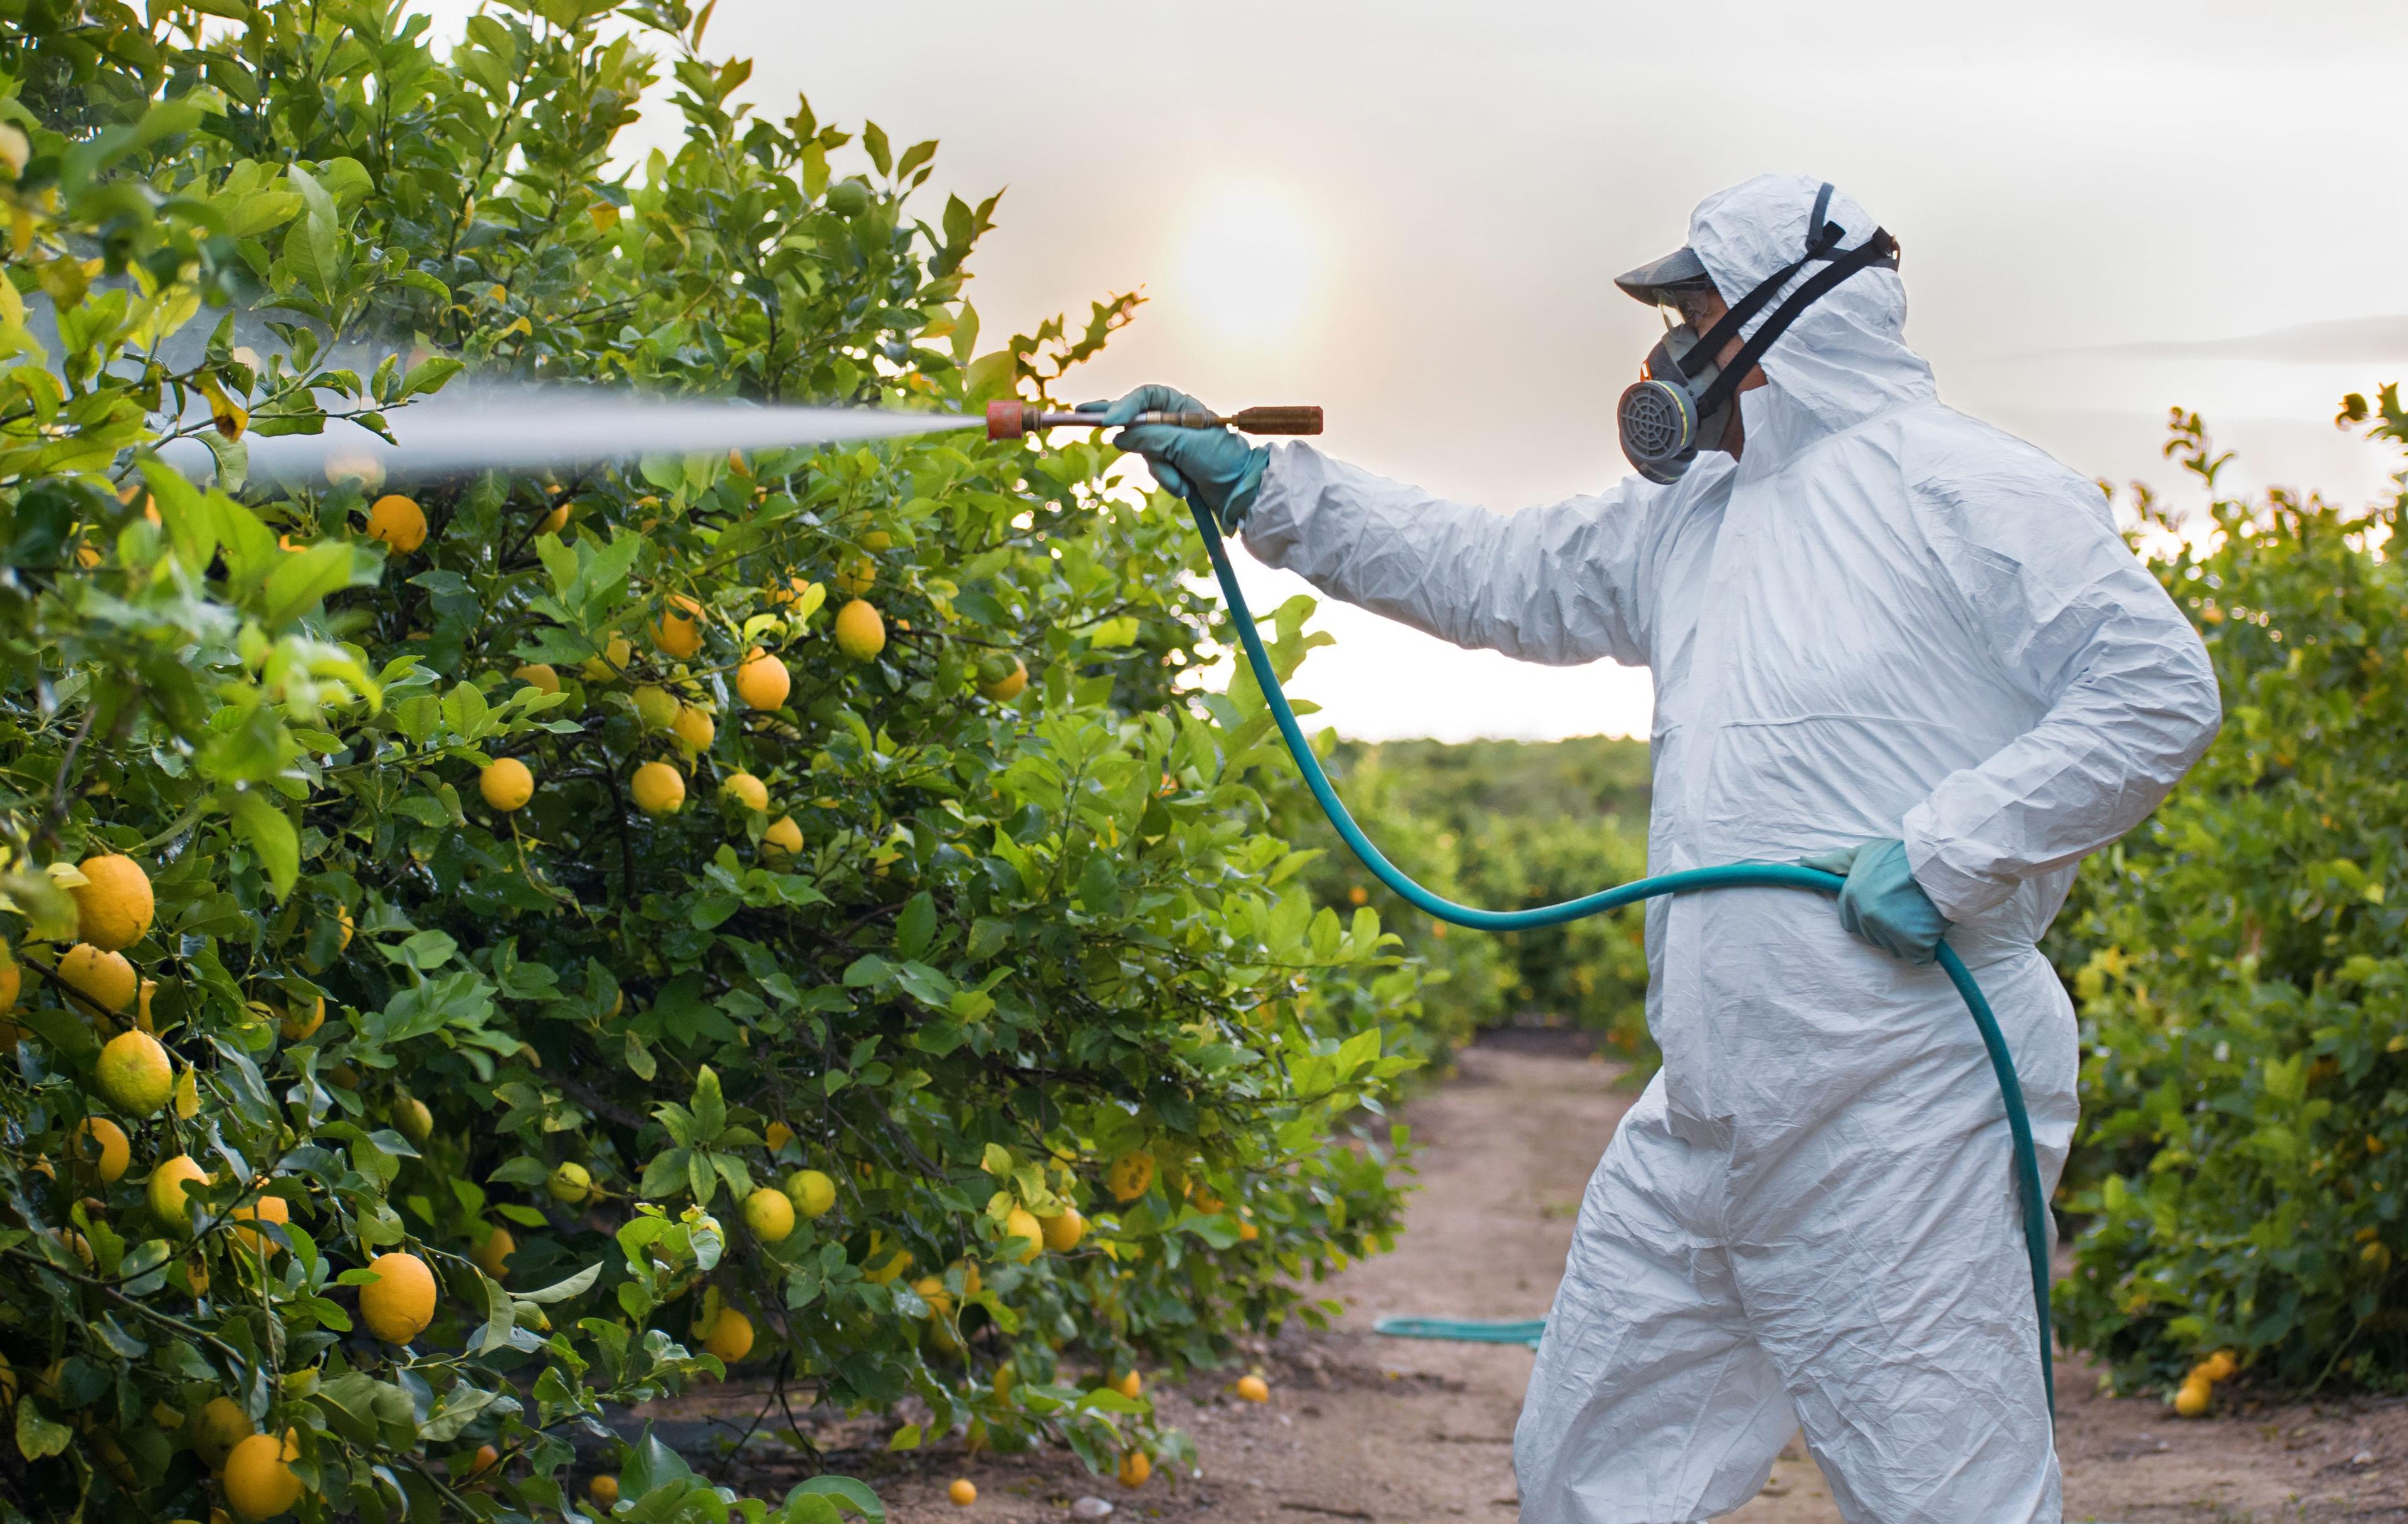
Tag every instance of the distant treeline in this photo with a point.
(1500, 824)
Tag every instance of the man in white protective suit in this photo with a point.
(1887, 638)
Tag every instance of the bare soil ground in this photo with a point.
(1396, 1431)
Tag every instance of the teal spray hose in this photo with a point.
(1736, 875)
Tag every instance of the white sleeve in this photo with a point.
(1559, 585)
(2130, 696)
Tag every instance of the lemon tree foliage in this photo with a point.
(433, 929)
(2241, 1178)
(1500, 824)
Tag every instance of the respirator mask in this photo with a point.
(1682, 402)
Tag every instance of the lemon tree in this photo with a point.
(2240, 1185)
(450, 906)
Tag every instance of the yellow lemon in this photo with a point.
(105, 979)
(508, 784)
(1254, 1389)
(746, 790)
(730, 1336)
(604, 1491)
(411, 1118)
(888, 1270)
(1131, 1175)
(113, 903)
(398, 521)
(2220, 1365)
(274, 1209)
(1135, 1468)
(343, 919)
(493, 1256)
(134, 1074)
(656, 708)
(783, 839)
(658, 789)
(769, 1214)
(553, 522)
(932, 1290)
(860, 633)
(168, 1200)
(762, 681)
(99, 1145)
(678, 630)
(694, 728)
(298, 1023)
(570, 1183)
(1003, 689)
(812, 1192)
(539, 675)
(216, 1429)
(398, 1304)
(776, 1135)
(258, 1482)
(2193, 1398)
(963, 1493)
(1021, 1223)
(12, 981)
(855, 579)
(1127, 1384)
(1063, 1232)
(616, 654)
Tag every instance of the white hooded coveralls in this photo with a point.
(1886, 620)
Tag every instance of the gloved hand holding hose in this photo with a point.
(1882, 903)
(1214, 468)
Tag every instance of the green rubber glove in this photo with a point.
(1880, 903)
(1214, 466)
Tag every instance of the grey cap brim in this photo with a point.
(1680, 269)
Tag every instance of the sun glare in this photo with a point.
(1250, 266)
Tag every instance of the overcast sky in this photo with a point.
(1410, 213)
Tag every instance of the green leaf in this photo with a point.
(264, 826)
(37, 1436)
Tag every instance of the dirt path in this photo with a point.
(1385, 1430)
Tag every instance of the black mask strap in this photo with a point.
(1880, 248)
(1821, 239)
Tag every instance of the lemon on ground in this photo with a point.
(761, 681)
(776, 1135)
(274, 1209)
(1135, 1468)
(539, 675)
(2220, 1365)
(398, 521)
(1063, 1232)
(1254, 1389)
(1131, 1175)
(604, 1491)
(678, 630)
(783, 839)
(856, 578)
(617, 652)
(507, 784)
(216, 1428)
(493, 1256)
(570, 1183)
(2193, 1398)
(1003, 683)
(99, 1145)
(729, 1336)
(860, 633)
(411, 1118)
(963, 1493)
(1021, 1223)
(769, 1214)
(103, 978)
(168, 1200)
(299, 1024)
(113, 903)
(134, 1074)
(812, 1192)
(1128, 1384)
(398, 1304)
(694, 728)
(658, 789)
